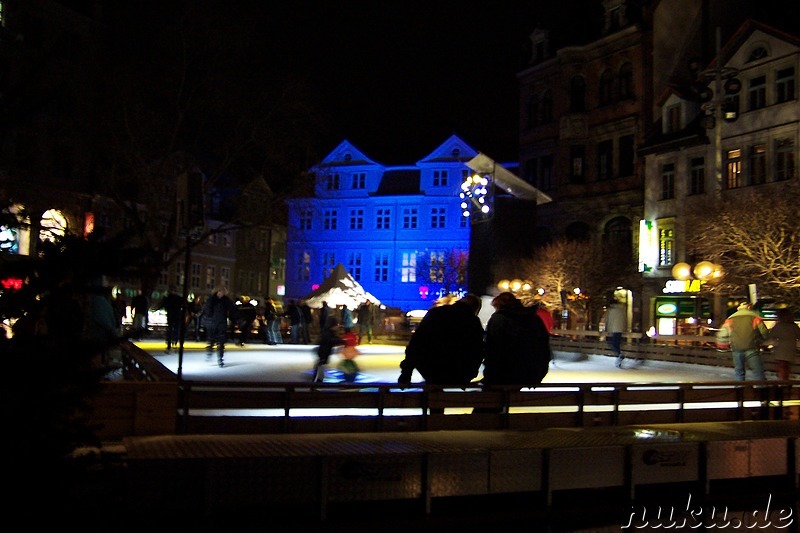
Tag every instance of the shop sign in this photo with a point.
(673, 286)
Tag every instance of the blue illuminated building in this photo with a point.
(399, 231)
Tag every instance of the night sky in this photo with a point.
(395, 78)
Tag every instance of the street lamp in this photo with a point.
(704, 271)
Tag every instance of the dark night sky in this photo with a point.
(397, 78)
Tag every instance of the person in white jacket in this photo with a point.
(616, 323)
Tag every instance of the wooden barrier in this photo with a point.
(231, 408)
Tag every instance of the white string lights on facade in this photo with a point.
(475, 195)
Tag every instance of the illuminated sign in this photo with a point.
(690, 285)
(667, 309)
(648, 245)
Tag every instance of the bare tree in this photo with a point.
(563, 266)
(755, 235)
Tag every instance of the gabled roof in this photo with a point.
(450, 151)
(743, 33)
(346, 154)
(399, 182)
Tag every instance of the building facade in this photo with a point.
(399, 231)
(696, 157)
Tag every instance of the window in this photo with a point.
(195, 276)
(409, 218)
(758, 53)
(354, 265)
(546, 174)
(332, 182)
(439, 178)
(381, 267)
(697, 175)
(383, 218)
(757, 93)
(211, 277)
(605, 159)
(666, 246)
(179, 273)
(437, 217)
(303, 269)
(626, 81)
(673, 119)
(359, 180)
(330, 219)
(356, 219)
(225, 276)
(618, 239)
(436, 267)
(408, 267)
(668, 181)
(784, 85)
(547, 107)
(532, 117)
(577, 94)
(784, 159)
(758, 164)
(328, 263)
(733, 174)
(606, 87)
(577, 157)
(305, 219)
(626, 155)
(213, 239)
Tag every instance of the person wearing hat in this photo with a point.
(743, 333)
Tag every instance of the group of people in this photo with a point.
(744, 333)
(348, 340)
(450, 344)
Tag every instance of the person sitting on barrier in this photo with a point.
(517, 346)
(447, 345)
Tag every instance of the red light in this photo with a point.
(13, 284)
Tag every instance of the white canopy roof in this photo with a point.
(483, 164)
(339, 289)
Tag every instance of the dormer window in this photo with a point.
(758, 52)
(672, 118)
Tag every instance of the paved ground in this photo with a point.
(380, 363)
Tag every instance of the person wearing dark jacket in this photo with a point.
(328, 341)
(218, 310)
(517, 344)
(172, 304)
(447, 346)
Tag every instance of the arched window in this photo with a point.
(578, 231)
(618, 239)
(577, 94)
(53, 224)
(606, 89)
(626, 81)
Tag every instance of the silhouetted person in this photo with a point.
(784, 336)
(328, 340)
(219, 309)
(447, 346)
(172, 304)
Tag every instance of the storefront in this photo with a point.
(682, 315)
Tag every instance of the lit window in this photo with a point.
(734, 170)
(408, 269)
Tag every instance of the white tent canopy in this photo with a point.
(339, 289)
(507, 181)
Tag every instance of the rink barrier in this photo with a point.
(206, 407)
